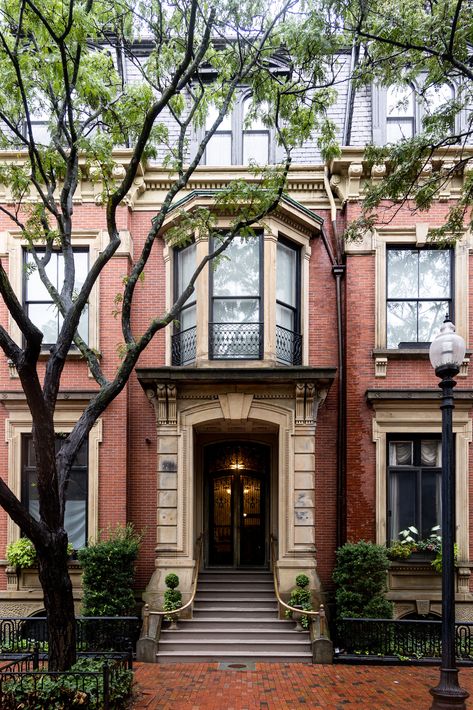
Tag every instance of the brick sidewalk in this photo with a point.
(284, 685)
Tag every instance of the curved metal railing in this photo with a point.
(313, 615)
(176, 612)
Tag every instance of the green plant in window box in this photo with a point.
(437, 562)
(22, 553)
(410, 543)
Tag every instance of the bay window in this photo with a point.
(288, 337)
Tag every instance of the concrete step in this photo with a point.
(234, 657)
(236, 587)
(206, 633)
(215, 646)
(235, 623)
(209, 612)
(227, 577)
(249, 594)
(231, 600)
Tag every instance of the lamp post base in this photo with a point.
(448, 694)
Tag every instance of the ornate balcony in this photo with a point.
(288, 346)
(235, 341)
(183, 346)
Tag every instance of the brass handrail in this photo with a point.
(320, 614)
(195, 576)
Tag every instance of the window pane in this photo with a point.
(45, 317)
(431, 316)
(255, 148)
(236, 311)
(434, 273)
(399, 130)
(185, 269)
(187, 318)
(431, 453)
(35, 289)
(401, 323)
(256, 124)
(402, 501)
(219, 149)
(402, 266)
(81, 268)
(431, 501)
(212, 114)
(237, 273)
(437, 96)
(285, 317)
(286, 275)
(401, 453)
(399, 101)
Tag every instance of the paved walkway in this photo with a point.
(271, 686)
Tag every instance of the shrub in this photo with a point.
(360, 575)
(108, 571)
(65, 692)
(21, 553)
(172, 596)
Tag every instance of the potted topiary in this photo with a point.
(300, 598)
(172, 598)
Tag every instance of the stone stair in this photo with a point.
(235, 619)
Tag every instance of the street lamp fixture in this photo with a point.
(446, 355)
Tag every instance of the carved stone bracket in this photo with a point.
(164, 401)
(308, 401)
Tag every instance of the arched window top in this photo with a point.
(436, 96)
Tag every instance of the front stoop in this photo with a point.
(235, 619)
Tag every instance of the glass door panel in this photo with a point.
(221, 521)
(251, 524)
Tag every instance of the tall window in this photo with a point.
(414, 484)
(236, 305)
(184, 338)
(288, 338)
(219, 147)
(400, 113)
(419, 294)
(75, 516)
(39, 304)
(255, 136)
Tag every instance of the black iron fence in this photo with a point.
(184, 346)
(403, 639)
(288, 346)
(27, 683)
(115, 633)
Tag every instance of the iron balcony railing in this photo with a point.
(236, 341)
(184, 346)
(412, 639)
(288, 346)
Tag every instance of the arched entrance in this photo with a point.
(237, 476)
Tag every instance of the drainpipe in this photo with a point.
(338, 270)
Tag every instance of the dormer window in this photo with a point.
(255, 137)
(400, 116)
(219, 148)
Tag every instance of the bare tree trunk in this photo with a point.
(58, 602)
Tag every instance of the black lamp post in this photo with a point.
(446, 355)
